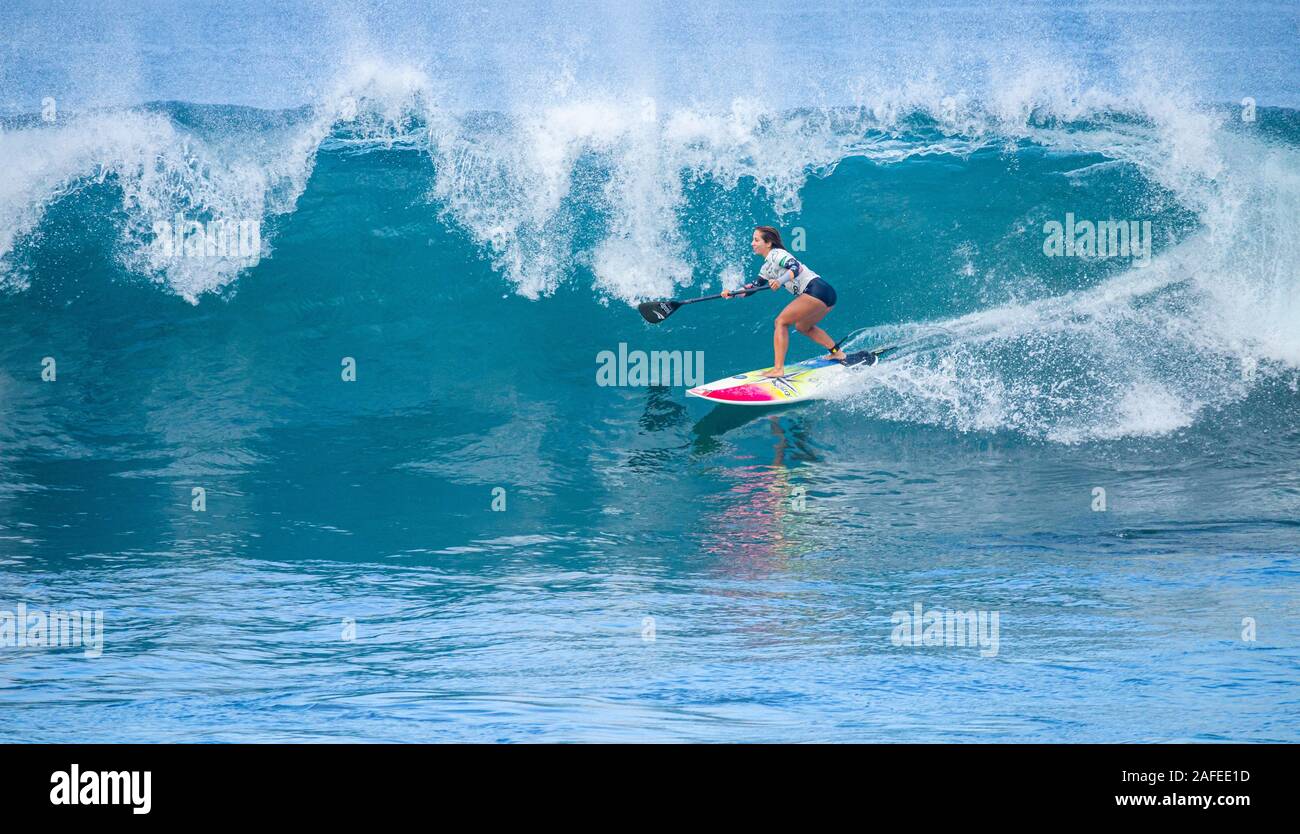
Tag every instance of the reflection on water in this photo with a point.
(759, 525)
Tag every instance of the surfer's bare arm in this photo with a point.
(777, 283)
(746, 288)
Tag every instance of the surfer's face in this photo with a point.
(760, 246)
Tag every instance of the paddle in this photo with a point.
(656, 311)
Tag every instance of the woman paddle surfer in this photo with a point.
(814, 298)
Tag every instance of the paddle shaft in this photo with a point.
(656, 312)
(736, 294)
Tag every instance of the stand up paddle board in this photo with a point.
(802, 381)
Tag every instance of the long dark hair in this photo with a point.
(771, 235)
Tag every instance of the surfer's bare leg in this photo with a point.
(780, 342)
(794, 313)
(818, 335)
(808, 327)
(781, 339)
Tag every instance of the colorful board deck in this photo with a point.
(802, 381)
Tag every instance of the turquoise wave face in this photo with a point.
(362, 481)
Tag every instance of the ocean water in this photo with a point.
(474, 540)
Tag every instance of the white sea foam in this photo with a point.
(1145, 351)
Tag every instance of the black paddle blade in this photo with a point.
(656, 311)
